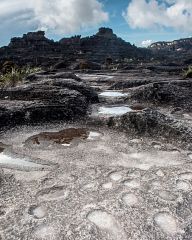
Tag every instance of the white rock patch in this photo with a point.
(108, 185)
(106, 222)
(166, 223)
(115, 176)
(130, 199)
(132, 183)
(182, 185)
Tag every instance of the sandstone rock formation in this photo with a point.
(183, 47)
(35, 49)
(45, 97)
(153, 123)
(175, 93)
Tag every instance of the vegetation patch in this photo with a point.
(15, 76)
(188, 73)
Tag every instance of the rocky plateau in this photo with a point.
(95, 153)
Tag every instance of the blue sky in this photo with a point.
(137, 21)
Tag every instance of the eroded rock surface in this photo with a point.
(128, 175)
(45, 97)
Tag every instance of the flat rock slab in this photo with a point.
(109, 187)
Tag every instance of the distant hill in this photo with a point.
(180, 45)
(181, 48)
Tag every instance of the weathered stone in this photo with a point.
(51, 98)
(153, 123)
(177, 93)
(36, 50)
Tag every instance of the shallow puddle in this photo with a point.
(114, 111)
(18, 162)
(64, 137)
(112, 94)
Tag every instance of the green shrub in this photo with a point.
(16, 76)
(188, 73)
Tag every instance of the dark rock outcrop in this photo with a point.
(37, 50)
(181, 45)
(176, 93)
(153, 123)
(48, 97)
(106, 44)
(171, 50)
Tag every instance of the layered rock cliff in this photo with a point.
(35, 49)
(173, 49)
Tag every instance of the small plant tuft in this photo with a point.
(188, 73)
(16, 76)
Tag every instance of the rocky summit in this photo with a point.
(35, 49)
(97, 149)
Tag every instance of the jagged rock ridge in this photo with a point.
(35, 49)
(171, 50)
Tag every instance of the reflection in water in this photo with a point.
(112, 94)
(64, 137)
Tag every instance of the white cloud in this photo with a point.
(147, 14)
(146, 43)
(59, 16)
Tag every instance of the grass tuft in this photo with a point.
(188, 73)
(16, 76)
